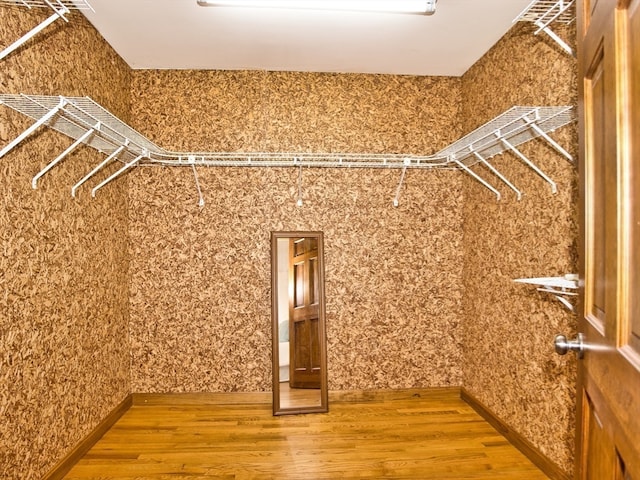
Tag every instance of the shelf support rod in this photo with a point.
(396, 199)
(116, 174)
(299, 202)
(552, 142)
(195, 176)
(555, 38)
(71, 148)
(33, 128)
(477, 177)
(495, 171)
(533, 166)
(97, 169)
(33, 32)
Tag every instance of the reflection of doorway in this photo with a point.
(304, 327)
(299, 348)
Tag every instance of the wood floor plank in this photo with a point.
(401, 435)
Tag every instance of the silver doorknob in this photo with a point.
(563, 345)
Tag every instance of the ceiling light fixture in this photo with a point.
(425, 7)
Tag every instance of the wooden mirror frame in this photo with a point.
(323, 406)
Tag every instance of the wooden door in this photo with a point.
(609, 381)
(304, 325)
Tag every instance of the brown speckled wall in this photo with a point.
(64, 352)
(509, 361)
(200, 291)
(142, 290)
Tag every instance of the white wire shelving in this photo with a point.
(89, 124)
(562, 288)
(506, 132)
(544, 13)
(60, 8)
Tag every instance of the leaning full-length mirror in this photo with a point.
(298, 314)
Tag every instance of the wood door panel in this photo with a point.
(603, 462)
(632, 173)
(609, 389)
(595, 135)
(606, 381)
(305, 355)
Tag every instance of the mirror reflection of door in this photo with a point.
(299, 352)
(304, 328)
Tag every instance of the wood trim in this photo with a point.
(527, 448)
(218, 398)
(363, 396)
(68, 461)
(244, 398)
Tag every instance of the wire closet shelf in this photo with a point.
(544, 13)
(60, 8)
(89, 124)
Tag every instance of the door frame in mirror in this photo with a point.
(324, 396)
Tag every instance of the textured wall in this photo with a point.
(509, 362)
(63, 262)
(200, 291)
(200, 303)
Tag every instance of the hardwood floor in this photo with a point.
(298, 397)
(405, 434)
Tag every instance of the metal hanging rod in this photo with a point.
(90, 124)
(542, 13)
(60, 9)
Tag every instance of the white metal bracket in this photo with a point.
(60, 9)
(498, 174)
(116, 174)
(299, 199)
(396, 199)
(195, 176)
(102, 164)
(83, 138)
(542, 13)
(477, 177)
(562, 288)
(530, 164)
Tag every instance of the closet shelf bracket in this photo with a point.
(530, 164)
(562, 288)
(83, 138)
(477, 177)
(543, 13)
(505, 133)
(60, 9)
(122, 169)
(100, 166)
(396, 199)
(497, 173)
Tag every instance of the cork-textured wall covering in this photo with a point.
(200, 288)
(64, 353)
(509, 361)
(417, 296)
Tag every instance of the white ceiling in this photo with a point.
(179, 34)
